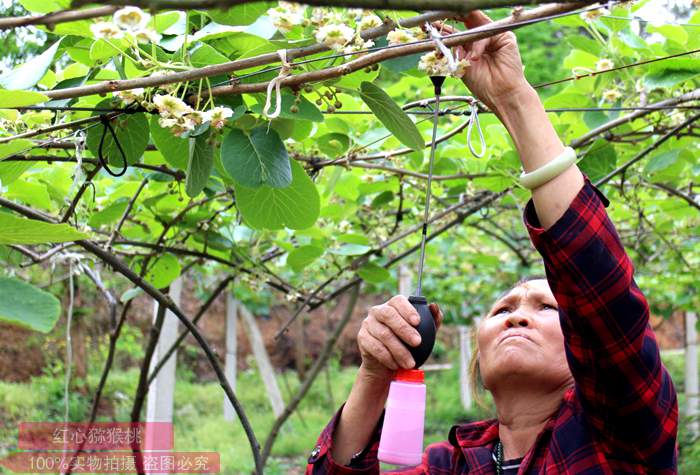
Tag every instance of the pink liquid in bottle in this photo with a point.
(401, 442)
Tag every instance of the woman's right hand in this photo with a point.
(383, 333)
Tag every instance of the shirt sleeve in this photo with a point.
(611, 349)
(438, 456)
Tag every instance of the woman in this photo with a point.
(571, 361)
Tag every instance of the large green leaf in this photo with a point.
(600, 160)
(165, 270)
(111, 213)
(28, 306)
(306, 110)
(302, 256)
(373, 273)
(45, 6)
(669, 73)
(29, 73)
(200, 164)
(175, 150)
(258, 158)
(15, 230)
(394, 119)
(132, 133)
(20, 98)
(240, 14)
(296, 206)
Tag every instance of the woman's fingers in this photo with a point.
(392, 343)
(476, 49)
(372, 346)
(475, 19)
(399, 316)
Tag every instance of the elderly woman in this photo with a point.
(571, 361)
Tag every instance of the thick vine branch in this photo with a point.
(232, 66)
(456, 6)
(51, 19)
(516, 20)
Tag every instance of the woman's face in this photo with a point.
(520, 339)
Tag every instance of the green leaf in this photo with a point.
(175, 150)
(199, 165)
(31, 72)
(669, 73)
(28, 306)
(333, 144)
(307, 110)
(20, 98)
(130, 294)
(163, 271)
(258, 158)
(296, 206)
(109, 214)
(15, 230)
(394, 119)
(132, 133)
(102, 49)
(350, 250)
(45, 6)
(599, 161)
(662, 161)
(303, 256)
(240, 14)
(10, 171)
(373, 273)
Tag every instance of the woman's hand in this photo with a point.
(496, 71)
(383, 333)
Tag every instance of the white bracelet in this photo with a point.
(548, 171)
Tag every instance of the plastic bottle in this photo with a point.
(401, 441)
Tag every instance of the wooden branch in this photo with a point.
(455, 6)
(232, 66)
(589, 136)
(671, 133)
(81, 192)
(51, 19)
(674, 192)
(517, 20)
(167, 303)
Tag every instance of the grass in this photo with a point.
(199, 425)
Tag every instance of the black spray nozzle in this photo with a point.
(438, 81)
(426, 328)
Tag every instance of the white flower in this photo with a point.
(171, 106)
(178, 126)
(433, 65)
(592, 15)
(335, 36)
(218, 116)
(604, 64)
(106, 30)
(131, 18)
(286, 15)
(198, 117)
(396, 37)
(130, 96)
(147, 35)
(461, 70)
(611, 95)
(369, 21)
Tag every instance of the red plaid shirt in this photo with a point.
(621, 416)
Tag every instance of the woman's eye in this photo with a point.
(501, 310)
(546, 306)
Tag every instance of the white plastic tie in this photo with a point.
(276, 83)
(446, 52)
(474, 120)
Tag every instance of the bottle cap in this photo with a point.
(410, 375)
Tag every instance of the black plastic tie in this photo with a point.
(100, 152)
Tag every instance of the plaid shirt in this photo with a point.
(621, 416)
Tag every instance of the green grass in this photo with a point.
(199, 425)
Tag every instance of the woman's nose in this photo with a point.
(518, 319)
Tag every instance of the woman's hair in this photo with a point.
(475, 382)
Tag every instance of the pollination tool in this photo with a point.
(426, 327)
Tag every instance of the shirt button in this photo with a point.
(315, 451)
